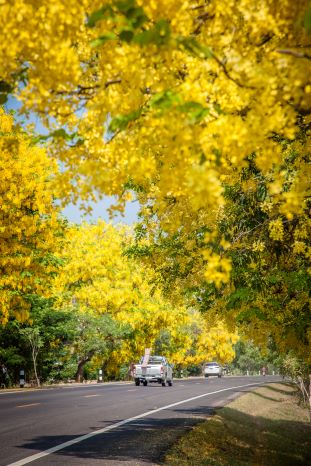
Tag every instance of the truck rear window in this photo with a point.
(154, 360)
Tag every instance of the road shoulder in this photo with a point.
(265, 426)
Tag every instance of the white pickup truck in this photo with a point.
(157, 370)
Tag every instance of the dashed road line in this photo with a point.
(27, 406)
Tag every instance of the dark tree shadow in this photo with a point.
(144, 441)
(273, 388)
(260, 395)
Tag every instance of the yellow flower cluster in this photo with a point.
(232, 73)
(218, 268)
(276, 229)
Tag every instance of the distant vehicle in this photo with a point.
(157, 370)
(212, 369)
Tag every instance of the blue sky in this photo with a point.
(73, 212)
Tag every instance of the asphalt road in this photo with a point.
(120, 424)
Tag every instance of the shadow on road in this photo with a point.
(141, 442)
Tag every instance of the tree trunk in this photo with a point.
(34, 359)
(79, 373)
(84, 359)
(305, 388)
(308, 390)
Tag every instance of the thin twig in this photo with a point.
(223, 66)
(198, 7)
(294, 53)
(113, 81)
(87, 91)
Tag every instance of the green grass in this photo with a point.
(262, 428)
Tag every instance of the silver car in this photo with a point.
(212, 368)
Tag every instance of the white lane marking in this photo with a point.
(89, 396)
(133, 390)
(61, 446)
(26, 406)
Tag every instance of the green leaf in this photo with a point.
(59, 133)
(240, 296)
(163, 29)
(79, 142)
(120, 122)
(194, 47)
(195, 110)
(136, 17)
(102, 39)
(145, 37)
(126, 35)
(159, 34)
(165, 99)
(5, 87)
(307, 21)
(251, 313)
(26, 273)
(218, 109)
(98, 15)
(125, 5)
(3, 98)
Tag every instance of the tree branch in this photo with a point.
(294, 53)
(113, 81)
(87, 91)
(223, 66)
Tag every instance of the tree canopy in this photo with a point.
(201, 110)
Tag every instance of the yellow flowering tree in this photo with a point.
(29, 229)
(98, 281)
(262, 240)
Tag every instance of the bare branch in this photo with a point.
(294, 53)
(202, 18)
(87, 91)
(198, 7)
(113, 81)
(266, 38)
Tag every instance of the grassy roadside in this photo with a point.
(265, 427)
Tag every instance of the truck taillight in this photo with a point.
(134, 370)
(162, 369)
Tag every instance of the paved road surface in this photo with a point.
(34, 421)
